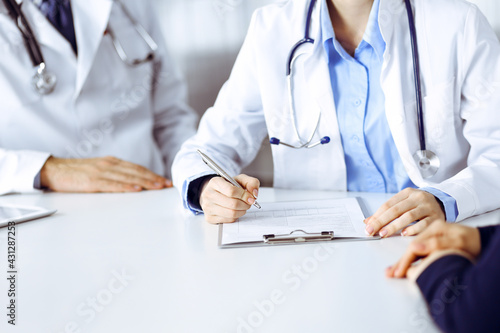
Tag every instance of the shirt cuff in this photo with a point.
(194, 192)
(191, 192)
(449, 203)
(37, 183)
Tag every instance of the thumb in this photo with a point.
(250, 184)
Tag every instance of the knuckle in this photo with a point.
(385, 207)
(421, 195)
(410, 231)
(434, 243)
(376, 223)
(425, 223)
(233, 205)
(233, 192)
(412, 216)
(397, 210)
(390, 229)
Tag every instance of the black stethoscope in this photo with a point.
(427, 161)
(44, 81)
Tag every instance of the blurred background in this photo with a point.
(204, 37)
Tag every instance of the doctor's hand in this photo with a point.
(224, 203)
(438, 239)
(407, 206)
(103, 174)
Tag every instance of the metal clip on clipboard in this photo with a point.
(305, 237)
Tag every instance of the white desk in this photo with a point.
(183, 283)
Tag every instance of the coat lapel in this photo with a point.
(45, 33)
(91, 20)
(397, 82)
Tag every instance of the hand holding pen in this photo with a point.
(224, 199)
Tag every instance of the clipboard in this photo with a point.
(314, 215)
(294, 238)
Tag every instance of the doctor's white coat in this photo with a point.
(100, 106)
(460, 65)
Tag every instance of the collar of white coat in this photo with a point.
(91, 20)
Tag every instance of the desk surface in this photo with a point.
(139, 263)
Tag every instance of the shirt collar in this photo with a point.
(372, 35)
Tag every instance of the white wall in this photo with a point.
(204, 37)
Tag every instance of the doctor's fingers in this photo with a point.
(391, 214)
(109, 186)
(211, 197)
(216, 214)
(222, 186)
(154, 180)
(218, 208)
(251, 184)
(408, 206)
(131, 179)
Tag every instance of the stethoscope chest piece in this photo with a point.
(43, 81)
(427, 162)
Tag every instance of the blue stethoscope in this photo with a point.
(427, 161)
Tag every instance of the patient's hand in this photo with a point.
(103, 174)
(438, 237)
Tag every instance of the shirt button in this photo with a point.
(355, 138)
(357, 102)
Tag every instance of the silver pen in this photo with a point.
(208, 161)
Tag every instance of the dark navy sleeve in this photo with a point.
(193, 196)
(487, 234)
(463, 297)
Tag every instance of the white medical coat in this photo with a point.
(460, 69)
(100, 106)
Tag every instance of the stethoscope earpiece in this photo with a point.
(325, 140)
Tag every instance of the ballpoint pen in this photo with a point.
(208, 161)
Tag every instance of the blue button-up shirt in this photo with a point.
(372, 161)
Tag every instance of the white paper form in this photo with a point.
(342, 216)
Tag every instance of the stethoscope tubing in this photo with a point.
(304, 40)
(427, 160)
(44, 81)
(15, 12)
(416, 73)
